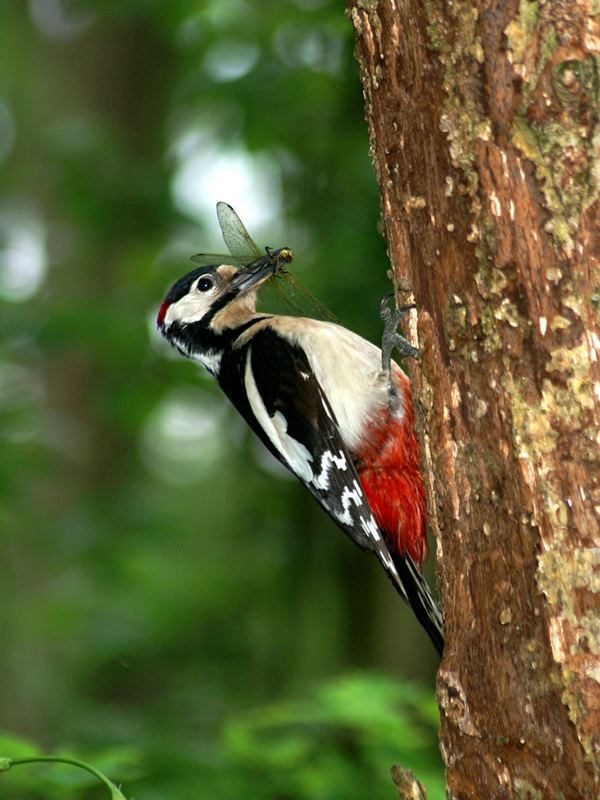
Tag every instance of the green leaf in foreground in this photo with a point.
(115, 792)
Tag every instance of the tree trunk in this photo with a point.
(484, 127)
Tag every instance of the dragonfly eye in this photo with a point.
(205, 284)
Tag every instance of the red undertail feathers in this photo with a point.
(388, 466)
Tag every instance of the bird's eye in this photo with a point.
(204, 284)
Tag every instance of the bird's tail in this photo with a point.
(421, 600)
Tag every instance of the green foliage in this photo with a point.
(163, 586)
(339, 743)
(67, 784)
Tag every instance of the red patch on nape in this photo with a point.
(162, 312)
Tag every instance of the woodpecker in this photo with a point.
(324, 402)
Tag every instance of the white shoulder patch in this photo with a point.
(294, 452)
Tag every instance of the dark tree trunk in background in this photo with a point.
(484, 127)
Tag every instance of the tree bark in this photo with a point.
(483, 119)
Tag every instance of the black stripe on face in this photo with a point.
(198, 337)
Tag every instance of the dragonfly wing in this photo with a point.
(215, 259)
(235, 235)
(300, 299)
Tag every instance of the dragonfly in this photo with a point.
(243, 251)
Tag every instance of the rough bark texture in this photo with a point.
(484, 127)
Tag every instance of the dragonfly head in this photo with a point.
(282, 256)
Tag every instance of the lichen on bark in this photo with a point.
(484, 130)
(556, 125)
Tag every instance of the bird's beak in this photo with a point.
(258, 271)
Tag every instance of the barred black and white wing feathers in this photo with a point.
(284, 404)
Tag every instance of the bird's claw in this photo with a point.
(391, 339)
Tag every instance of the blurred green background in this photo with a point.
(175, 608)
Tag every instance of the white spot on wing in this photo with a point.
(294, 453)
(370, 527)
(348, 496)
(328, 460)
(354, 496)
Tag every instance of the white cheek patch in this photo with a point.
(190, 308)
(293, 452)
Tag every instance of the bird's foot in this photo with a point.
(391, 339)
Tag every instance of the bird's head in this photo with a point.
(218, 296)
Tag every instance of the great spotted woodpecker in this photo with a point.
(320, 400)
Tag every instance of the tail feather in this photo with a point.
(420, 599)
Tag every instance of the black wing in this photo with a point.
(285, 405)
(421, 600)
